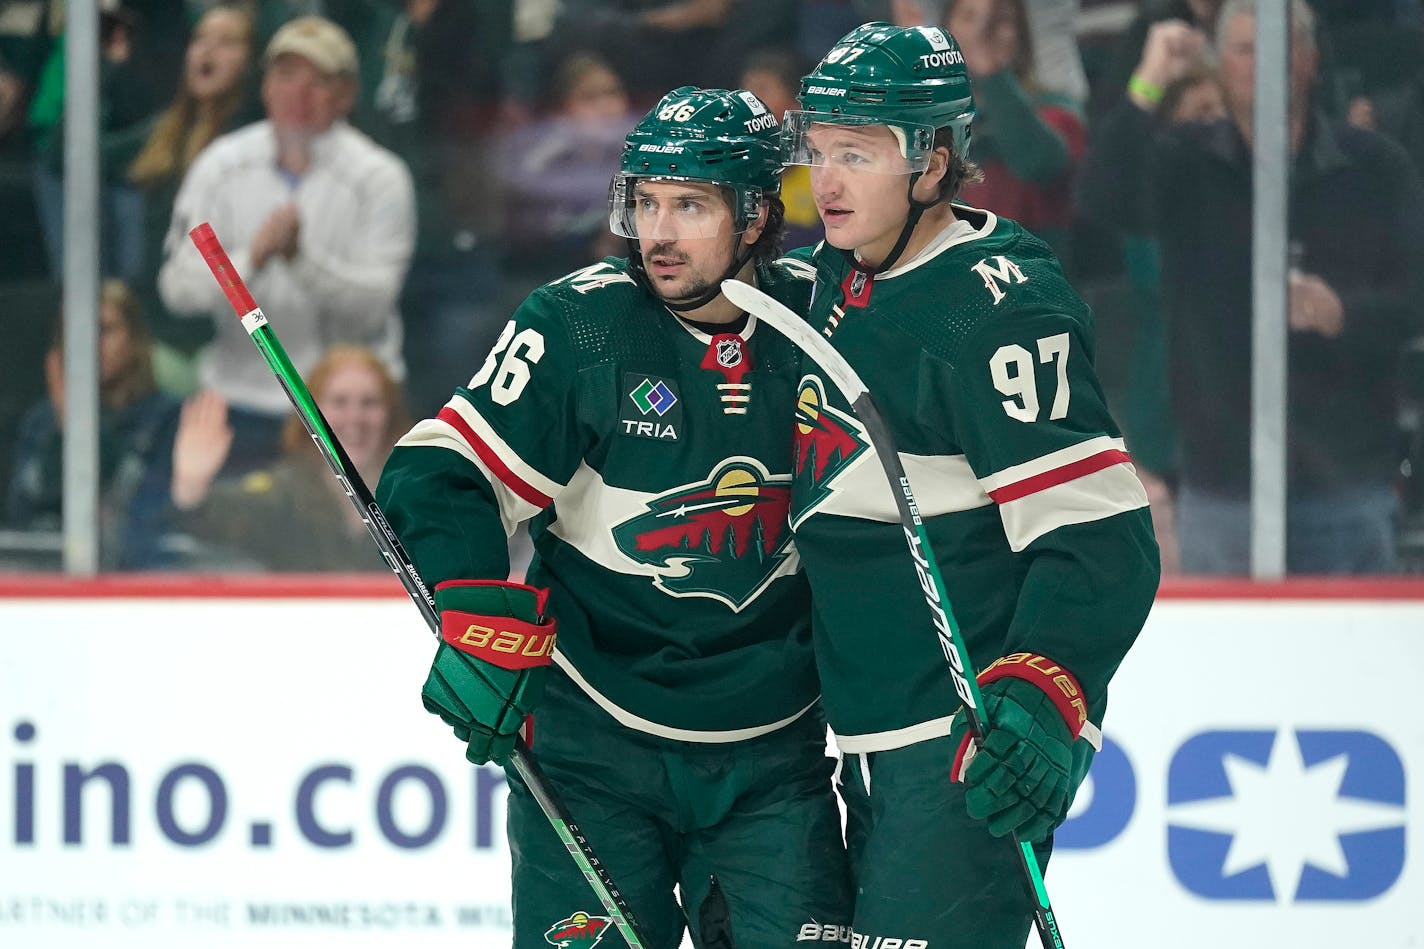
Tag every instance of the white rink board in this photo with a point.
(1261, 794)
(1338, 678)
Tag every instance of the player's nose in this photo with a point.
(825, 183)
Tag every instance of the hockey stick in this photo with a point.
(360, 496)
(951, 640)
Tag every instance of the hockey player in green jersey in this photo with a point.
(980, 357)
(638, 420)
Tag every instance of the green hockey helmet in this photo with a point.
(911, 79)
(718, 136)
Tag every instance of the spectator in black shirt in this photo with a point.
(1356, 227)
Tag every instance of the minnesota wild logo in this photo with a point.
(827, 441)
(725, 537)
(580, 929)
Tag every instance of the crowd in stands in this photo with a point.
(392, 176)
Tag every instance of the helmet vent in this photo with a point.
(916, 97)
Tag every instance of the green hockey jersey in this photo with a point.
(653, 461)
(980, 357)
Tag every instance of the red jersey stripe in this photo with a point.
(1048, 479)
(501, 471)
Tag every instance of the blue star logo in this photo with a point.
(1308, 816)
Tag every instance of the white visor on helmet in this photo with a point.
(855, 143)
(669, 208)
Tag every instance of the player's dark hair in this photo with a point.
(768, 246)
(961, 171)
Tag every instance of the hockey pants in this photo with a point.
(758, 816)
(927, 875)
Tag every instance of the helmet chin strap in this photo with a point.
(635, 263)
(917, 209)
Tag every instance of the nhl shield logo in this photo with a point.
(579, 930)
(729, 352)
(856, 287)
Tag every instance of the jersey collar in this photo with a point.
(957, 231)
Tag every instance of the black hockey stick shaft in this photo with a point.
(951, 639)
(360, 496)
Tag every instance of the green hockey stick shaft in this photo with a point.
(360, 496)
(951, 640)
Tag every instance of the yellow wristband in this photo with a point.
(1145, 88)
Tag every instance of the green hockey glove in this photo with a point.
(490, 666)
(1022, 777)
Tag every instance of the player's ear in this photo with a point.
(927, 187)
(753, 232)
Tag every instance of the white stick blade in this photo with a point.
(785, 321)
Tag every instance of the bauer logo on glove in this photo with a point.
(1022, 777)
(489, 669)
(506, 644)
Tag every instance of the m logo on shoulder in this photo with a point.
(999, 270)
(595, 277)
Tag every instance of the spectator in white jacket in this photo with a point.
(317, 218)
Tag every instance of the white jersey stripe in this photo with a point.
(898, 738)
(507, 455)
(1080, 501)
(590, 508)
(943, 484)
(637, 723)
(435, 433)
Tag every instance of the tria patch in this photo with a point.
(651, 409)
(580, 929)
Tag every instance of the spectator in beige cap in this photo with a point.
(318, 218)
(310, 82)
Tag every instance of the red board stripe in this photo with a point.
(379, 586)
(163, 586)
